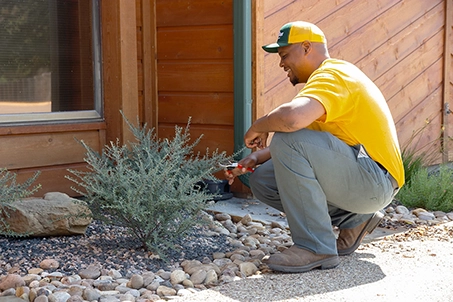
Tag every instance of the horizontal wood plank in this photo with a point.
(207, 76)
(45, 149)
(220, 138)
(193, 12)
(195, 42)
(33, 129)
(203, 108)
(52, 179)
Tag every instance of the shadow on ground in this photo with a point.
(353, 271)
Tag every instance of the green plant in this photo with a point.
(431, 191)
(11, 191)
(425, 189)
(149, 186)
(415, 157)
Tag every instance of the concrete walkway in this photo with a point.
(262, 212)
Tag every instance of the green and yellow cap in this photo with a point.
(296, 32)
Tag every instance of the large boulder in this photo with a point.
(56, 214)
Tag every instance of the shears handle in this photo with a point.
(248, 168)
(239, 166)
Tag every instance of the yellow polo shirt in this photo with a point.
(356, 112)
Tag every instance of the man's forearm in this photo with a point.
(262, 155)
(290, 117)
(280, 119)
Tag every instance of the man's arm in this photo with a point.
(250, 161)
(288, 117)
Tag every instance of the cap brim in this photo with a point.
(273, 48)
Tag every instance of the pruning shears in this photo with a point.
(230, 166)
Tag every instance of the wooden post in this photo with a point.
(149, 45)
(128, 59)
(120, 78)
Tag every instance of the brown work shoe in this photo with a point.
(349, 239)
(299, 260)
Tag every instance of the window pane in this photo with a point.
(47, 56)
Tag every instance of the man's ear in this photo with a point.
(306, 45)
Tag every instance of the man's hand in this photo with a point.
(247, 163)
(254, 139)
(244, 166)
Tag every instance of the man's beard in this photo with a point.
(294, 81)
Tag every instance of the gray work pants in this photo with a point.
(320, 182)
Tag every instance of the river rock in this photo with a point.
(91, 294)
(198, 277)
(248, 268)
(402, 210)
(91, 272)
(136, 281)
(47, 264)
(56, 214)
(165, 291)
(211, 277)
(59, 296)
(177, 276)
(11, 281)
(75, 298)
(426, 216)
(246, 219)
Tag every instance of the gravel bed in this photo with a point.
(111, 247)
(108, 265)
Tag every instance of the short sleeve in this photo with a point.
(331, 91)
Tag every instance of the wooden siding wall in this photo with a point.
(185, 70)
(398, 43)
(195, 70)
(51, 149)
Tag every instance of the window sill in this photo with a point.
(63, 126)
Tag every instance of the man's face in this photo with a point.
(293, 60)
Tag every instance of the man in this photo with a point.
(334, 158)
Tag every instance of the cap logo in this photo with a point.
(280, 35)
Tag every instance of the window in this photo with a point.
(49, 60)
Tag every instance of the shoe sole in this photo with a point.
(369, 228)
(327, 263)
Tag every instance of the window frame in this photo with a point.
(95, 115)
